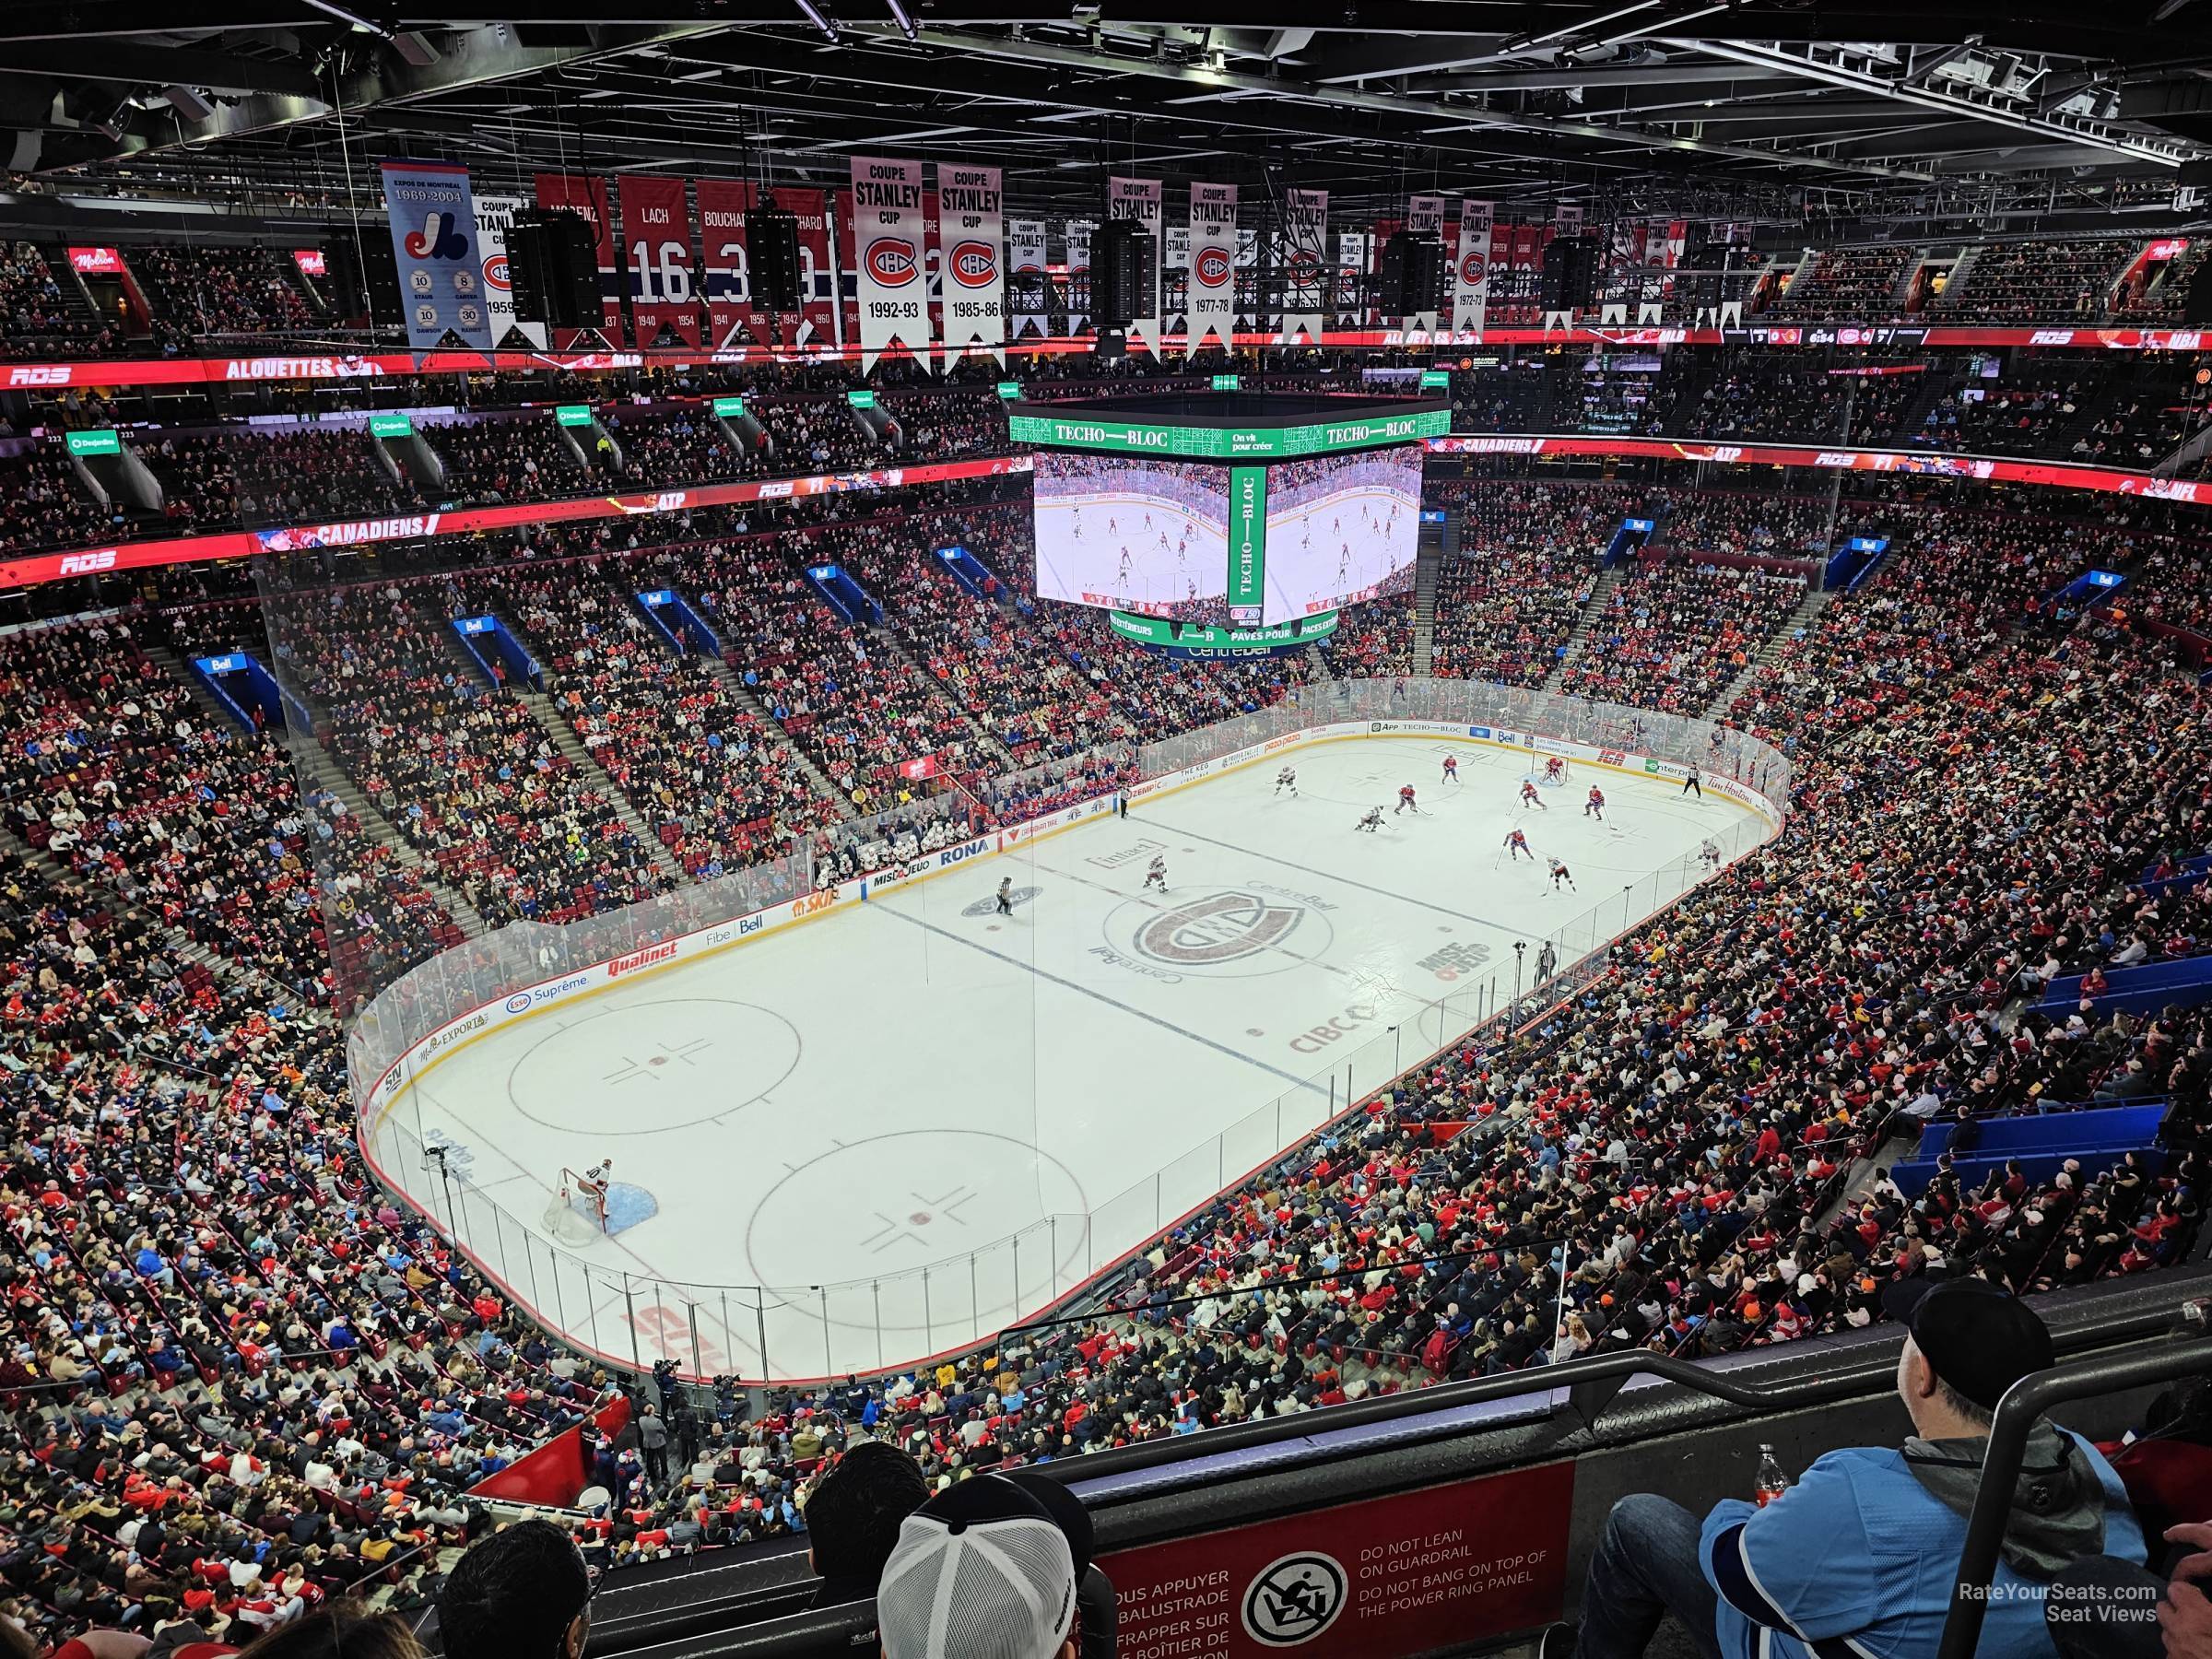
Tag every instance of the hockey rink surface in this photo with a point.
(906, 1083)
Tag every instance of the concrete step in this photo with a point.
(567, 744)
(740, 695)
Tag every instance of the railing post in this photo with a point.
(877, 1286)
(1055, 1221)
(929, 1325)
(697, 1368)
(761, 1313)
(630, 1308)
(828, 1363)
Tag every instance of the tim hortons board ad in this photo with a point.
(1439, 1567)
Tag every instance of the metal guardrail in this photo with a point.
(2018, 1412)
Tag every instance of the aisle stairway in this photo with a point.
(994, 754)
(570, 747)
(1804, 617)
(735, 687)
(1599, 593)
(1427, 575)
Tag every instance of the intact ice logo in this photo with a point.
(1211, 269)
(890, 261)
(974, 264)
(440, 238)
(1473, 267)
(1227, 927)
(1294, 1599)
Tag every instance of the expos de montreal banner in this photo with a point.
(971, 229)
(1471, 269)
(888, 245)
(434, 245)
(1141, 199)
(656, 243)
(1213, 291)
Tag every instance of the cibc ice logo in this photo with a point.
(974, 264)
(892, 261)
(1294, 1598)
(1211, 268)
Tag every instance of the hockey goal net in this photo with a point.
(1548, 768)
(577, 1213)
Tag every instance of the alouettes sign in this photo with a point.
(972, 228)
(1213, 298)
(887, 238)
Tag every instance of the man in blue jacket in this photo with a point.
(1857, 1560)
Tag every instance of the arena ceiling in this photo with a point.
(1774, 109)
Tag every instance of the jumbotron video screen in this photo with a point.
(1340, 529)
(1133, 533)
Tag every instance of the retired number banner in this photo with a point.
(1471, 269)
(656, 251)
(887, 242)
(578, 194)
(1213, 308)
(1303, 256)
(971, 230)
(728, 287)
(1141, 199)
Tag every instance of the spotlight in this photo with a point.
(815, 16)
(906, 24)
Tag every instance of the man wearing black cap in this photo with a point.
(1859, 1557)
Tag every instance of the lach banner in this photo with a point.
(434, 245)
(1425, 213)
(657, 251)
(887, 243)
(1141, 199)
(1027, 299)
(1303, 257)
(1078, 274)
(1213, 266)
(971, 230)
(728, 287)
(1471, 269)
(579, 194)
(495, 214)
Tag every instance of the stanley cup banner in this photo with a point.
(971, 230)
(1471, 270)
(1141, 199)
(1025, 298)
(1213, 266)
(434, 245)
(1078, 274)
(1303, 253)
(1175, 282)
(495, 217)
(887, 242)
(1425, 213)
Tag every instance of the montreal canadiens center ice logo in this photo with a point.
(1219, 929)
(1294, 1599)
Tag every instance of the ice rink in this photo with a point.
(907, 1084)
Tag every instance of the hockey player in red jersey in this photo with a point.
(1532, 796)
(1516, 844)
(1406, 802)
(1595, 806)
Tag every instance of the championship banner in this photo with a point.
(1175, 282)
(1566, 217)
(1303, 256)
(656, 249)
(728, 285)
(1141, 199)
(495, 214)
(1027, 300)
(588, 196)
(1352, 257)
(887, 243)
(1213, 266)
(434, 245)
(972, 233)
(1425, 213)
(1078, 274)
(1248, 282)
(1471, 270)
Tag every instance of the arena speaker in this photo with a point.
(772, 254)
(1124, 273)
(1412, 274)
(553, 263)
(362, 279)
(1570, 272)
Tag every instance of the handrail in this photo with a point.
(2023, 1405)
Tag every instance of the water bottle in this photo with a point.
(1770, 1483)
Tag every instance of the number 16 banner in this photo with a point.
(971, 232)
(656, 256)
(887, 248)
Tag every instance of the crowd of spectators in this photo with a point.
(212, 290)
(1850, 284)
(2065, 280)
(1672, 633)
(1765, 396)
(40, 320)
(1506, 613)
(2032, 413)
(525, 459)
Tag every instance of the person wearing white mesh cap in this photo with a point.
(980, 1572)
